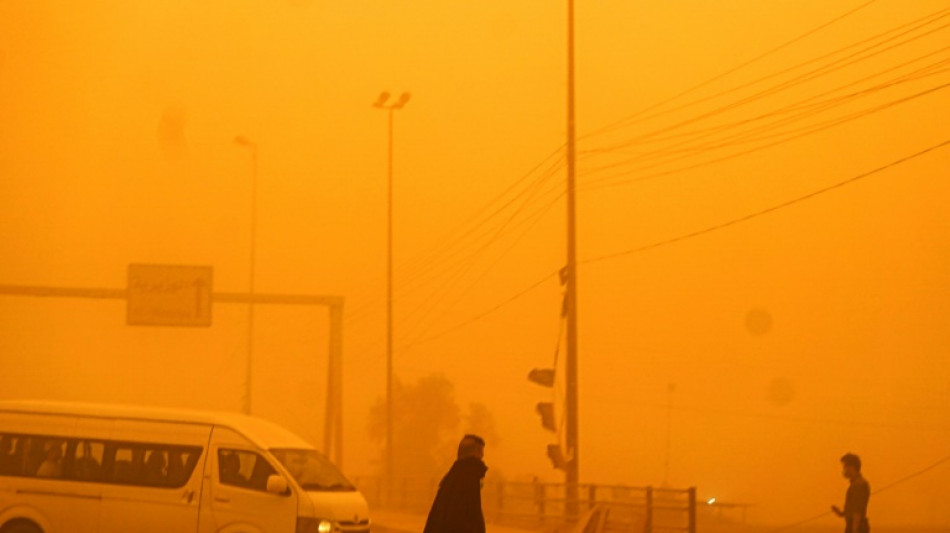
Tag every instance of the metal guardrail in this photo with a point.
(624, 508)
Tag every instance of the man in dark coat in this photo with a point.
(458, 504)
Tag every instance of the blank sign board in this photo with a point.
(169, 295)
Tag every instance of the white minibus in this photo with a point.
(79, 468)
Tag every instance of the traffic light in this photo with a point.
(542, 376)
(545, 377)
(546, 410)
(557, 456)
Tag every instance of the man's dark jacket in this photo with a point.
(458, 504)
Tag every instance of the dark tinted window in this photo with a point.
(103, 461)
(151, 465)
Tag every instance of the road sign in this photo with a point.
(169, 295)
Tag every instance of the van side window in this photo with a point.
(243, 469)
(101, 461)
(51, 453)
(84, 460)
(151, 465)
(181, 463)
(11, 455)
(31, 455)
(126, 467)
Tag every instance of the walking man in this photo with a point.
(855, 511)
(458, 504)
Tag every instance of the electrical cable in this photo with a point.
(511, 299)
(455, 274)
(476, 222)
(808, 105)
(732, 70)
(798, 80)
(915, 24)
(537, 219)
(766, 211)
(613, 180)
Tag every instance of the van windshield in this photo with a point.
(312, 470)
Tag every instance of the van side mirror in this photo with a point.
(277, 485)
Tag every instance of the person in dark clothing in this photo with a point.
(458, 504)
(856, 499)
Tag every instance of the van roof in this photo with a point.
(261, 432)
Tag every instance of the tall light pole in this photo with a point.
(670, 389)
(243, 141)
(573, 446)
(383, 103)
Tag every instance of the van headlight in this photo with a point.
(313, 525)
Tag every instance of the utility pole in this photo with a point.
(382, 102)
(249, 372)
(573, 448)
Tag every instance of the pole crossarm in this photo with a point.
(39, 291)
(284, 299)
(62, 292)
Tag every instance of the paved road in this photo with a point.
(393, 522)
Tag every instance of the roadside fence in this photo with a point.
(534, 504)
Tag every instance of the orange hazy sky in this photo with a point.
(117, 121)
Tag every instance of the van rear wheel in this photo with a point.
(20, 526)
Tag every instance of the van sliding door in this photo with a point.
(153, 475)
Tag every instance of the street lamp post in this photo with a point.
(243, 141)
(670, 389)
(572, 430)
(383, 103)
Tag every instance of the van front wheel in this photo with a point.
(20, 526)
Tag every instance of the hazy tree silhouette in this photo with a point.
(427, 426)
(425, 416)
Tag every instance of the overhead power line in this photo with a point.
(768, 210)
(680, 238)
(690, 148)
(454, 247)
(770, 140)
(882, 38)
(453, 274)
(537, 217)
(511, 299)
(737, 68)
(803, 108)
